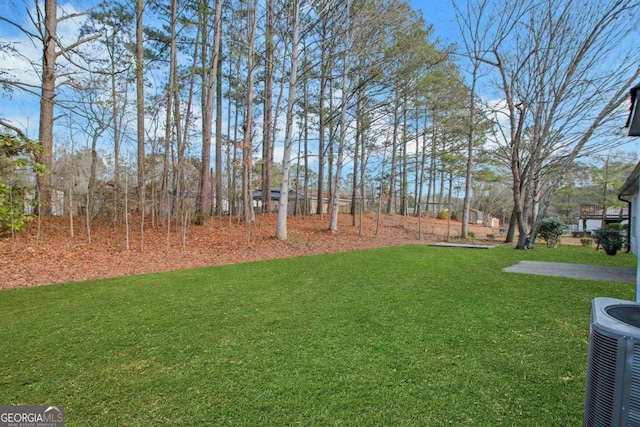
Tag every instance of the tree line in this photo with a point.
(185, 109)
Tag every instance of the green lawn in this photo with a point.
(403, 336)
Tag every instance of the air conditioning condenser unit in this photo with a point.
(612, 395)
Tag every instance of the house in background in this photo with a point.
(298, 204)
(593, 216)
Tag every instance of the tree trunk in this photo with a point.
(207, 131)
(469, 170)
(247, 144)
(267, 139)
(422, 168)
(219, 198)
(139, 48)
(432, 165)
(511, 231)
(321, 121)
(283, 203)
(404, 183)
(164, 197)
(356, 159)
(394, 157)
(305, 190)
(47, 105)
(117, 121)
(335, 202)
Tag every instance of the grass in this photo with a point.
(403, 336)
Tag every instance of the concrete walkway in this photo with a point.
(461, 245)
(575, 271)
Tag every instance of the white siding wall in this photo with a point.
(634, 232)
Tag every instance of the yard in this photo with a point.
(411, 335)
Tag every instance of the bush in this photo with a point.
(610, 238)
(12, 213)
(587, 242)
(551, 229)
(16, 152)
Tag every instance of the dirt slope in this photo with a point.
(53, 256)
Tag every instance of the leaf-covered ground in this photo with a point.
(53, 255)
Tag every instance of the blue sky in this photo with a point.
(23, 108)
(440, 14)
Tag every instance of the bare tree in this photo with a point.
(468, 20)
(207, 122)
(172, 86)
(342, 134)
(46, 23)
(558, 95)
(281, 229)
(247, 142)
(139, 59)
(267, 133)
(115, 24)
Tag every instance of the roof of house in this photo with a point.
(630, 187)
(275, 194)
(633, 121)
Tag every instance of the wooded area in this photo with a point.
(211, 110)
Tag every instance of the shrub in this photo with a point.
(551, 229)
(12, 213)
(610, 238)
(491, 236)
(16, 152)
(587, 242)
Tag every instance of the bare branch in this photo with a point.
(13, 128)
(74, 15)
(19, 27)
(78, 43)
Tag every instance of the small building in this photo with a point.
(344, 204)
(298, 203)
(475, 217)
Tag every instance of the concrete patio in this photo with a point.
(576, 271)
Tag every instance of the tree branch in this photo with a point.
(13, 128)
(20, 27)
(74, 15)
(78, 43)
